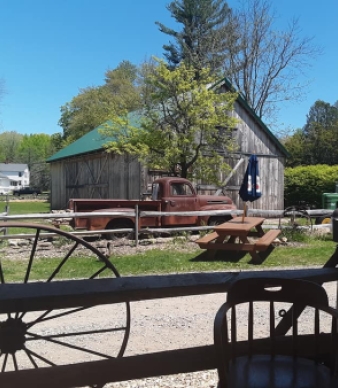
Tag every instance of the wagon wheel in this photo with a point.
(37, 339)
(298, 217)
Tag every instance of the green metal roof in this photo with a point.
(92, 141)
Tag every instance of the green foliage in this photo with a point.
(32, 150)
(185, 129)
(9, 145)
(94, 105)
(308, 183)
(317, 142)
(202, 40)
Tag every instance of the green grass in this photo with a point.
(301, 250)
(171, 261)
(26, 207)
(32, 207)
(312, 252)
(80, 267)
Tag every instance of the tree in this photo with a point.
(94, 105)
(321, 133)
(265, 64)
(9, 144)
(317, 141)
(322, 114)
(34, 150)
(186, 128)
(203, 38)
(295, 145)
(91, 107)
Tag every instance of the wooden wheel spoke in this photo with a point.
(78, 333)
(15, 362)
(31, 258)
(44, 316)
(63, 261)
(98, 272)
(38, 356)
(4, 363)
(31, 358)
(70, 346)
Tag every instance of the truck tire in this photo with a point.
(213, 221)
(119, 224)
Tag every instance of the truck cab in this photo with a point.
(176, 195)
(179, 195)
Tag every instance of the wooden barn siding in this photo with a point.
(98, 175)
(57, 188)
(124, 177)
(252, 139)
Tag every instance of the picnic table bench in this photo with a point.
(233, 236)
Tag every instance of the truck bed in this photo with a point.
(89, 205)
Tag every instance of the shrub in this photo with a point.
(308, 183)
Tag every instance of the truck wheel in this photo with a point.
(213, 221)
(119, 224)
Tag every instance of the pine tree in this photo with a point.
(202, 41)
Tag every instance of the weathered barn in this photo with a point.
(85, 170)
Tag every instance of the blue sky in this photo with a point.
(50, 49)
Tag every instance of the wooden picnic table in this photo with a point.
(233, 236)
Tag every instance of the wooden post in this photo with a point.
(244, 211)
(136, 225)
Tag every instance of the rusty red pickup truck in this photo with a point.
(168, 194)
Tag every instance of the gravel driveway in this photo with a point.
(178, 323)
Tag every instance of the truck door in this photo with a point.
(182, 198)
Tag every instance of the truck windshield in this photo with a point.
(155, 192)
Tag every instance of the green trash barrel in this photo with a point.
(330, 201)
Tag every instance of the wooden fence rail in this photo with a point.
(136, 214)
(84, 293)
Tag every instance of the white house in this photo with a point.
(13, 175)
(5, 184)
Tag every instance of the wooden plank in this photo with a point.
(140, 366)
(90, 292)
(267, 239)
(114, 370)
(207, 238)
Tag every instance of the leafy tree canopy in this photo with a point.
(317, 141)
(9, 144)
(186, 128)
